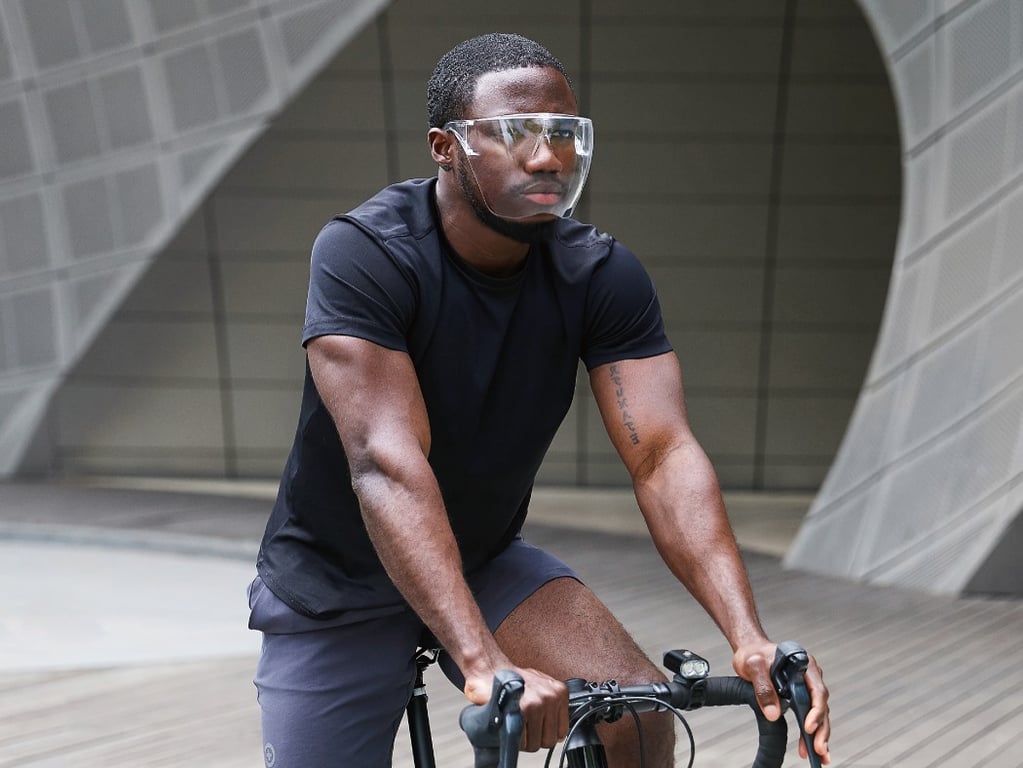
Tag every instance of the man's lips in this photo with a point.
(548, 193)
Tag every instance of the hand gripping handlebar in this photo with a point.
(729, 691)
(494, 728)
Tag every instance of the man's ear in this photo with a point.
(442, 147)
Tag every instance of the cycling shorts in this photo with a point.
(333, 693)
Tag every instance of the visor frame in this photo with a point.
(583, 136)
(582, 151)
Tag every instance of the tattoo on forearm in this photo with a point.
(623, 405)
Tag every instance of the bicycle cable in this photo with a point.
(602, 703)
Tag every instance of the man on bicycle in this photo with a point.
(445, 321)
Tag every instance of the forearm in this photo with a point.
(408, 525)
(683, 507)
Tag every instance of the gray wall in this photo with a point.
(750, 158)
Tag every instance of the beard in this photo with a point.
(521, 231)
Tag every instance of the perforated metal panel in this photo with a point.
(980, 50)
(23, 240)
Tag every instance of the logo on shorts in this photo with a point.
(269, 755)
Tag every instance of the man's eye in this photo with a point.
(563, 134)
(528, 128)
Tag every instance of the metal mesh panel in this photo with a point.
(243, 69)
(903, 306)
(23, 241)
(34, 329)
(1011, 266)
(72, 122)
(105, 25)
(986, 453)
(125, 109)
(191, 87)
(976, 159)
(51, 31)
(945, 389)
(138, 202)
(15, 150)
(302, 30)
(87, 217)
(170, 16)
(914, 75)
(963, 272)
(6, 67)
(219, 7)
(1004, 352)
(981, 50)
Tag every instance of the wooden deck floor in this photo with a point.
(917, 681)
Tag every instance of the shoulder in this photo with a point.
(397, 224)
(577, 235)
(399, 210)
(342, 242)
(582, 251)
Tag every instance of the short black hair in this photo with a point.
(453, 82)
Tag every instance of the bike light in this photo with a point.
(694, 668)
(687, 665)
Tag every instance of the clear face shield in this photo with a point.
(554, 151)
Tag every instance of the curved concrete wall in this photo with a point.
(116, 119)
(927, 488)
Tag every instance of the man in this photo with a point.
(444, 325)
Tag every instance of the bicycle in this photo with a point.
(494, 729)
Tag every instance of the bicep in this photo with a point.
(643, 408)
(373, 395)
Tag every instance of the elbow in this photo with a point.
(653, 462)
(368, 467)
(670, 463)
(376, 466)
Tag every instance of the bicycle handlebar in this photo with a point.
(608, 701)
(728, 691)
(690, 689)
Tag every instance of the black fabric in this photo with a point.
(496, 360)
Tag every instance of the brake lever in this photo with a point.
(511, 728)
(494, 729)
(788, 674)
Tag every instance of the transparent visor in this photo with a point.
(554, 151)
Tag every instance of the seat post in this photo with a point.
(417, 714)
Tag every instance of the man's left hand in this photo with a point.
(753, 662)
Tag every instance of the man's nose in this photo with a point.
(543, 157)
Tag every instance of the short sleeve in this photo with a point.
(623, 315)
(356, 288)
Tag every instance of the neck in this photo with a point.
(475, 243)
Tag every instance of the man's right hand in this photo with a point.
(544, 705)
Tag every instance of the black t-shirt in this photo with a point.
(496, 360)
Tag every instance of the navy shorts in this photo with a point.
(333, 693)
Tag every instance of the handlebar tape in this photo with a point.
(725, 691)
